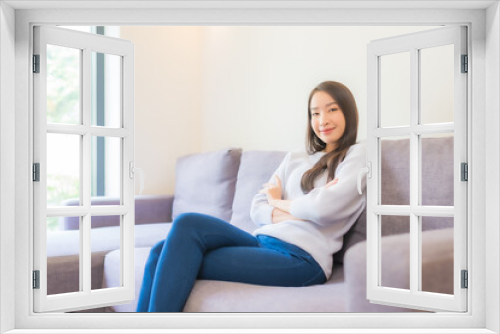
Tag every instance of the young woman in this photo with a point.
(304, 210)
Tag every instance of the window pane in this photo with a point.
(106, 90)
(105, 246)
(395, 266)
(437, 84)
(63, 255)
(437, 169)
(395, 90)
(63, 169)
(63, 85)
(395, 171)
(437, 254)
(106, 169)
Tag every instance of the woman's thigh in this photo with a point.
(258, 265)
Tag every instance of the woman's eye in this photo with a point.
(333, 109)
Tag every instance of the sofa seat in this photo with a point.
(63, 253)
(218, 296)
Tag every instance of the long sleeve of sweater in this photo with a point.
(326, 206)
(261, 212)
(326, 213)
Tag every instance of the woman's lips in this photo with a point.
(327, 131)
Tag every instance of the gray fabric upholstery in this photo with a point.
(356, 234)
(437, 268)
(437, 181)
(63, 273)
(437, 171)
(218, 296)
(111, 263)
(437, 185)
(148, 209)
(256, 168)
(208, 182)
(437, 261)
(205, 183)
(149, 234)
(63, 254)
(66, 243)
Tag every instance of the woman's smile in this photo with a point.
(327, 131)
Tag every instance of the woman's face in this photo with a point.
(327, 119)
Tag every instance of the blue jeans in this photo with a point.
(204, 247)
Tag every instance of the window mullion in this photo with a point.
(85, 243)
(414, 171)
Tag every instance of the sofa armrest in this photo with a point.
(437, 268)
(148, 209)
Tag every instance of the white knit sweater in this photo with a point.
(329, 212)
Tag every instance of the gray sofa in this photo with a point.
(222, 184)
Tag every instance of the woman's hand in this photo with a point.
(280, 215)
(273, 191)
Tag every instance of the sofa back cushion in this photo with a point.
(256, 168)
(205, 183)
(149, 209)
(437, 186)
(437, 180)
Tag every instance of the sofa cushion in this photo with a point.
(63, 273)
(437, 268)
(437, 180)
(256, 168)
(63, 249)
(218, 296)
(148, 209)
(205, 183)
(356, 233)
(437, 186)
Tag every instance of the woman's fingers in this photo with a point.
(278, 181)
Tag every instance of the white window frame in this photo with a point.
(484, 103)
(86, 43)
(414, 296)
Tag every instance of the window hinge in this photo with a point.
(465, 171)
(36, 63)
(465, 64)
(36, 279)
(465, 279)
(36, 172)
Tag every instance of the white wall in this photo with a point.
(256, 80)
(208, 88)
(167, 100)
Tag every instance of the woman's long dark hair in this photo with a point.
(345, 100)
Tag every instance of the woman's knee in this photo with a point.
(189, 220)
(156, 249)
